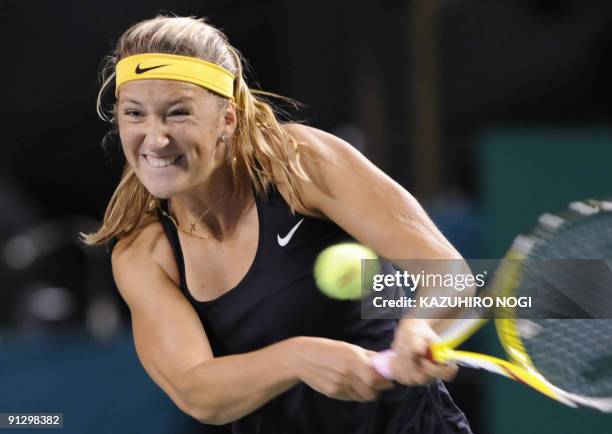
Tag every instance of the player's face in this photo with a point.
(170, 134)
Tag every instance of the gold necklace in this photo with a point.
(192, 231)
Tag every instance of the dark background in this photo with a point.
(437, 93)
(350, 63)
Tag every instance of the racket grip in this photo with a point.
(382, 363)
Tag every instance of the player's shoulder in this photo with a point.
(143, 249)
(141, 242)
(322, 155)
(318, 149)
(311, 137)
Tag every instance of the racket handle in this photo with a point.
(382, 363)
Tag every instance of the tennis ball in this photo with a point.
(337, 270)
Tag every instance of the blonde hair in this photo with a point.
(259, 141)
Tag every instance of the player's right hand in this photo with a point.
(338, 369)
(410, 365)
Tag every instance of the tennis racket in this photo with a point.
(563, 348)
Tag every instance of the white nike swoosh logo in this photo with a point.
(285, 240)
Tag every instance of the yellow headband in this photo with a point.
(173, 67)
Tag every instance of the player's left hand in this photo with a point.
(411, 365)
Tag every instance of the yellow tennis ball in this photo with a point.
(337, 270)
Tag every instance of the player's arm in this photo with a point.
(374, 209)
(174, 350)
(378, 212)
(365, 202)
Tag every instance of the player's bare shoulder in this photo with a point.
(319, 143)
(320, 155)
(319, 152)
(144, 250)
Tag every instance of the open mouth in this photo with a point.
(162, 162)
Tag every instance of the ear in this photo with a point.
(229, 120)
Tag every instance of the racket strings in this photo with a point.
(568, 272)
(574, 355)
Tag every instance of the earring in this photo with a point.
(223, 137)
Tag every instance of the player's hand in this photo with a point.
(338, 369)
(411, 364)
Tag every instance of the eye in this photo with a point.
(133, 113)
(179, 112)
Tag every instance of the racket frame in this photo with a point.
(520, 367)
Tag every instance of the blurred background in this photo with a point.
(489, 112)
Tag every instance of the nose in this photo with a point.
(156, 134)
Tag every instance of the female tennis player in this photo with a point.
(220, 215)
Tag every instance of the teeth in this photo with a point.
(161, 162)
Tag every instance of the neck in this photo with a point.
(213, 208)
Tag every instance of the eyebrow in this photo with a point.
(180, 99)
(129, 101)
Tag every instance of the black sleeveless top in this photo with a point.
(278, 299)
